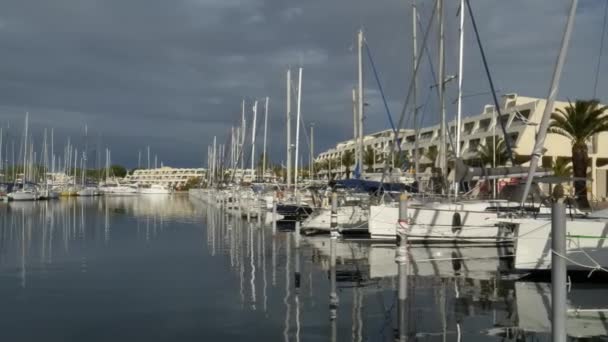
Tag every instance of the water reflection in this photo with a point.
(447, 293)
(267, 284)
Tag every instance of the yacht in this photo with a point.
(26, 193)
(155, 189)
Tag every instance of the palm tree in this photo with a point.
(368, 159)
(579, 122)
(485, 153)
(348, 159)
(321, 165)
(561, 168)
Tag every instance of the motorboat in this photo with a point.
(155, 189)
(89, 191)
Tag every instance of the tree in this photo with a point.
(321, 165)
(485, 153)
(402, 159)
(561, 168)
(348, 159)
(579, 122)
(118, 171)
(368, 159)
(432, 154)
(192, 183)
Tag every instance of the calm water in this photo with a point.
(170, 269)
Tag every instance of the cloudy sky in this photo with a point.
(171, 73)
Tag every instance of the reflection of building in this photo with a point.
(167, 176)
(520, 115)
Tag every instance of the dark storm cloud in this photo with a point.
(171, 74)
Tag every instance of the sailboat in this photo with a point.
(28, 192)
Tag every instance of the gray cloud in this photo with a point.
(171, 74)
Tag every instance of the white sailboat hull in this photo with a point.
(348, 217)
(438, 224)
(586, 245)
(23, 196)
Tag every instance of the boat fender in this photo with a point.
(456, 223)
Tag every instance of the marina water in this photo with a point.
(168, 268)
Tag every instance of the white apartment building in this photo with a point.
(166, 176)
(521, 116)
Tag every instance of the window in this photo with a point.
(426, 135)
(474, 144)
(505, 120)
(468, 127)
(521, 117)
(484, 125)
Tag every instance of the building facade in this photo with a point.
(520, 116)
(167, 176)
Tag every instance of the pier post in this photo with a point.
(274, 213)
(297, 263)
(333, 295)
(401, 258)
(558, 271)
(333, 223)
(403, 222)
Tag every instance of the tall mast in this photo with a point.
(25, 148)
(148, 156)
(265, 136)
(537, 151)
(3, 171)
(312, 150)
(441, 79)
(460, 71)
(213, 158)
(53, 151)
(298, 113)
(355, 118)
(360, 102)
(244, 133)
(415, 89)
(255, 116)
(288, 128)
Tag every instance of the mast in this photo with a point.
(460, 71)
(288, 128)
(53, 152)
(312, 150)
(255, 116)
(442, 135)
(148, 156)
(3, 171)
(415, 89)
(355, 118)
(25, 148)
(244, 133)
(360, 102)
(213, 158)
(265, 136)
(537, 151)
(298, 113)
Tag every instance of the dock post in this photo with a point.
(333, 223)
(333, 295)
(401, 258)
(297, 263)
(274, 213)
(403, 221)
(558, 271)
